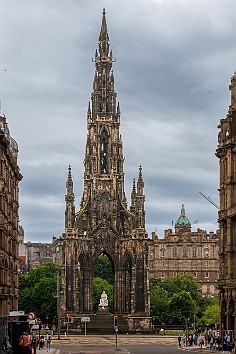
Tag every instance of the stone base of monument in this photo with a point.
(103, 323)
(139, 324)
(103, 310)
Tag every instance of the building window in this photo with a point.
(194, 263)
(185, 252)
(184, 264)
(174, 264)
(195, 274)
(175, 273)
(206, 254)
(194, 252)
(174, 252)
(151, 255)
(206, 264)
(207, 275)
(162, 253)
(162, 264)
(174, 239)
(162, 275)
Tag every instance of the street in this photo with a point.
(105, 344)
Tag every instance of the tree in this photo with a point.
(159, 304)
(182, 306)
(103, 268)
(211, 315)
(37, 291)
(175, 299)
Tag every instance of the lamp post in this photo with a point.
(58, 306)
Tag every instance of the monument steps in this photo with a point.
(104, 323)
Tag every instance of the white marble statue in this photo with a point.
(103, 300)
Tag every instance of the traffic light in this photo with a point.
(39, 323)
(68, 319)
(115, 321)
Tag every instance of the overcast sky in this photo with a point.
(174, 62)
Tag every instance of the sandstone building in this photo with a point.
(186, 252)
(226, 152)
(104, 224)
(9, 228)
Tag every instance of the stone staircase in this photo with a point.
(104, 324)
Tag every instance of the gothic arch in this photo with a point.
(104, 141)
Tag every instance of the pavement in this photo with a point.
(57, 351)
(45, 351)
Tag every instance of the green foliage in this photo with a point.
(103, 281)
(211, 315)
(103, 268)
(176, 299)
(37, 291)
(100, 285)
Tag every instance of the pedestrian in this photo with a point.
(48, 340)
(228, 340)
(211, 342)
(201, 341)
(41, 342)
(24, 344)
(218, 342)
(33, 341)
(179, 340)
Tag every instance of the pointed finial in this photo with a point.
(182, 210)
(103, 37)
(140, 171)
(118, 108)
(89, 109)
(69, 171)
(134, 187)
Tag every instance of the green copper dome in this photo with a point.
(183, 220)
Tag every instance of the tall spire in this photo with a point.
(104, 96)
(140, 183)
(69, 199)
(103, 38)
(133, 194)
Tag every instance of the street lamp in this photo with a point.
(58, 306)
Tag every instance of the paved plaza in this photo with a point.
(106, 344)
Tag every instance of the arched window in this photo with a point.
(194, 252)
(103, 152)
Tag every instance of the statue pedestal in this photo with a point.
(103, 310)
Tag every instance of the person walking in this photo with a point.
(24, 344)
(48, 340)
(179, 340)
(211, 342)
(33, 342)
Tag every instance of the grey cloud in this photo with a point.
(173, 68)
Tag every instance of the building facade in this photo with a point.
(35, 254)
(9, 220)
(104, 224)
(186, 252)
(226, 152)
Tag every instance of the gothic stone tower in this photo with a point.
(226, 152)
(104, 224)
